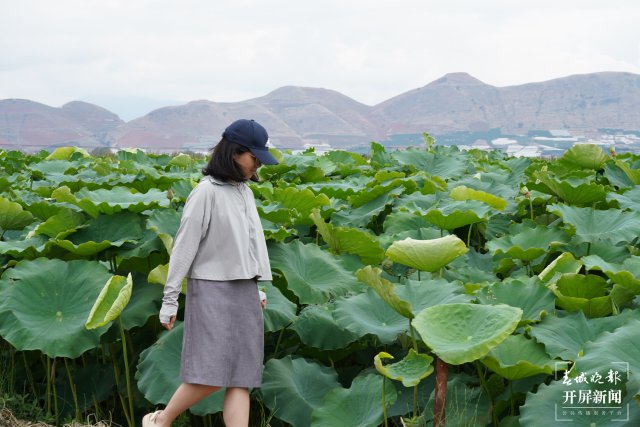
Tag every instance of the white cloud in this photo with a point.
(54, 52)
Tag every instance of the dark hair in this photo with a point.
(222, 165)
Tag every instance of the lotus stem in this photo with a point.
(384, 404)
(116, 373)
(413, 338)
(275, 352)
(439, 407)
(53, 387)
(531, 208)
(29, 374)
(126, 370)
(73, 389)
(511, 402)
(469, 235)
(483, 383)
(415, 400)
(48, 369)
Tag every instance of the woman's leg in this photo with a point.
(236, 407)
(185, 397)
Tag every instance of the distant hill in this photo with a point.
(295, 116)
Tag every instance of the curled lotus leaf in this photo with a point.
(46, 304)
(302, 201)
(293, 388)
(363, 215)
(427, 255)
(12, 216)
(112, 300)
(449, 215)
(413, 368)
(626, 274)
(632, 174)
(111, 201)
(65, 153)
(461, 333)
(30, 248)
(158, 373)
(592, 225)
(630, 199)
(442, 164)
(358, 405)
(518, 357)
(583, 292)
(385, 290)
(371, 193)
(159, 275)
(317, 328)
(60, 225)
(528, 241)
(585, 156)
(565, 263)
(462, 193)
(575, 193)
(535, 299)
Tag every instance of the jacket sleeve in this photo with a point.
(193, 228)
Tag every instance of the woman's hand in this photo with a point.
(263, 303)
(169, 325)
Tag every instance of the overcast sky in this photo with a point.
(136, 55)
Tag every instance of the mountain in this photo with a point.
(300, 116)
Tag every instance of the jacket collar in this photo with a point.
(220, 182)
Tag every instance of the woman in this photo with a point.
(220, 247)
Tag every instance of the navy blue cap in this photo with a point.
(252, 135)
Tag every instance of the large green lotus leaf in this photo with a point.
(317, 328)
(293, 388)
(429, 233)
(618, 351)
(617, 176)
(385, 290)
(579, 292)
(359, 405)
(65, 153)
(158, 373)
(149, 242)
(628, 200)
(113, 298)
(410, 370)
(585, 156)
(592, 225)
(373, 192)
(103, 232)
(344, 157)
(473, 267)
(565, 337)
(276, 213)
(26, 249)
(279, 312)
(379, 156)
(626, 274)
(12, 216)
(366, 313)
(546, 408)
(427, 255)
(582, 193)
(443, 165)
(144, 303)
(518, 357)
(111, 201)
(182, 160)
(449, 215)
(527, 241)
(362, 216)
(63, 223)
(565, 263)
(44, 210)
(461, 333)
(312, 274)
(398, 222)
(535, 299)
(428, 293)
(340, 189)
(463, 193)
(303, 201)
(276, 232)
(632, 174)
(46, 302)
(350, 240)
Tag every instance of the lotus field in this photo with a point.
(513, 281)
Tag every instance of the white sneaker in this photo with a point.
(149, 420)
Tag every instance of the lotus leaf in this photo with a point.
(181, 160)
(565, 337)
(303, 201)
(12, 216)
(113, 298)
(462, 193)
(630, 199)
(593, 225)
(26, 249)
(149, 243)
(531, 296)
(341, 189)
(579, 193)
(565, 263)
(317, 328)
(350, 240)
(159, 275)
(64, 221)
(398, 222)
(358, 405)
(158, 373)
(46, 303)
(585, 156)
(165, 223)
(617, 176)
(379, 156)
(444, 165)
(626, 274)
(587, 293)
(410, 370)
(427, 255)
(311, 273)
(65, 153)
(144, 303)
(362, 216)
(461, 333)
(385, 290)
(545, 407)
(111, 201)
(527, 241)
(450, 215)
(293, 388)
(366, 313)
(518, 357)
(632, 174)
(279, 312)
(373, 192)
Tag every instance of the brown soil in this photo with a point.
(8, 420)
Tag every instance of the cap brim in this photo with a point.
(265, 157)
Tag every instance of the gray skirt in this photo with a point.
(223, 342)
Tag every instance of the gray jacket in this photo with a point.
(220, 238)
